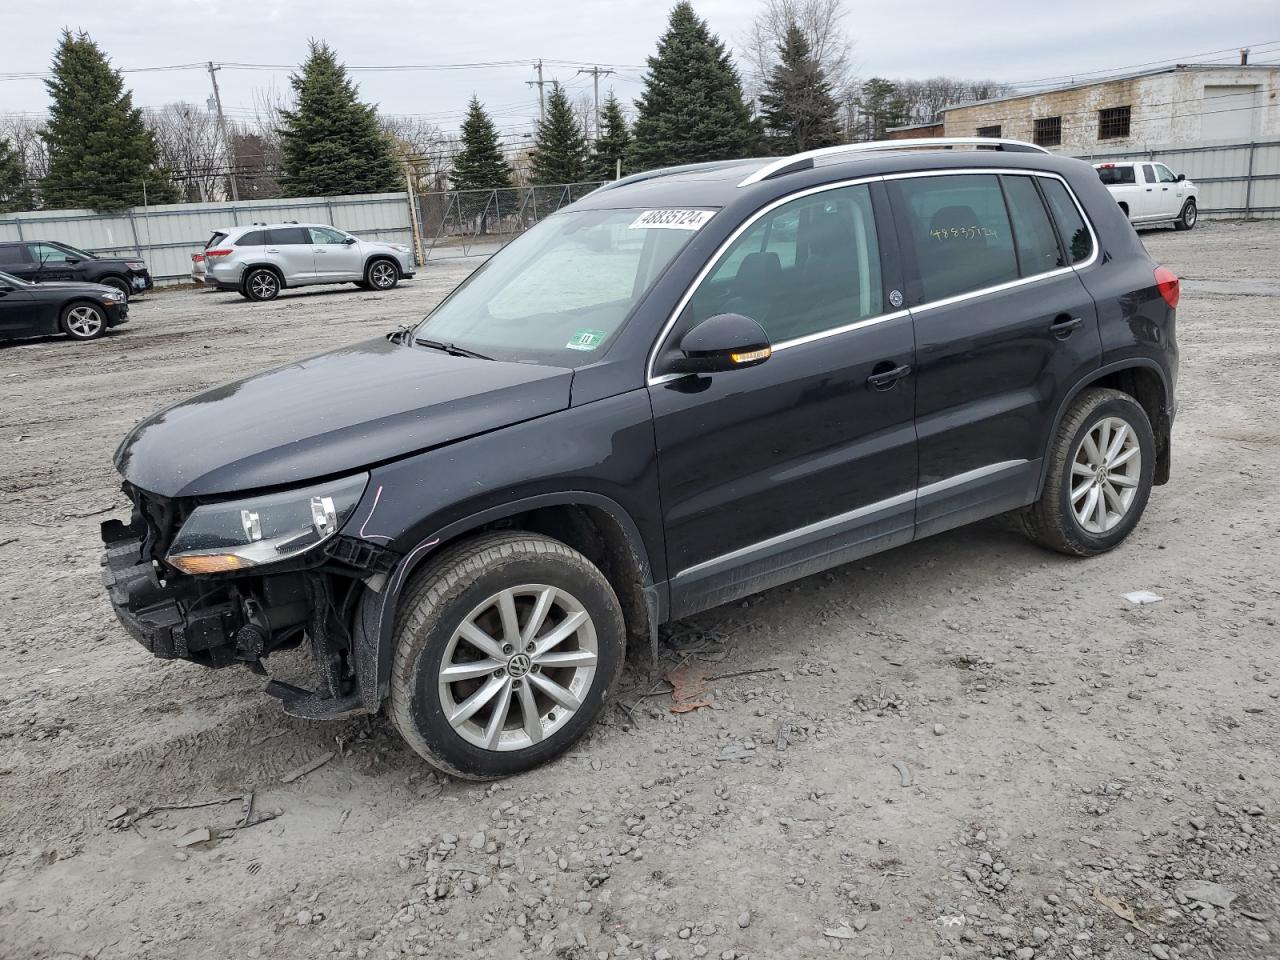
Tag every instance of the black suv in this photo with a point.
(43, 261)
(692, 385)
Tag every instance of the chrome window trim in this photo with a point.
(651, 380)
(714, 259)
(870, 508)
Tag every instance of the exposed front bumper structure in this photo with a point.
(226, 620)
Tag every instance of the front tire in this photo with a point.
(261, 285)
(507, 648)
(381, 274)
(1100, 472)
(84, 321)
(1187, 219)
(119, 283)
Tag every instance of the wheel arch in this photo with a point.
(372, 258)
(264, 265)
(593, 524)
(1143, 379)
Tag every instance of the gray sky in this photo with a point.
(1010, 40)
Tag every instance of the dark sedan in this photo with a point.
(83, 311)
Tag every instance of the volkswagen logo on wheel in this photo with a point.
(519, 665)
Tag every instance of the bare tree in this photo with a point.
(191, 148)
(24, 136)
(926, 98)
(421, 145)
(821, 21)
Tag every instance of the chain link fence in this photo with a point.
(468, 223)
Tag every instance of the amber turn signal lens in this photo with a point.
(751, 355)
(208, 563)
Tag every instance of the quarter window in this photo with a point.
(1047, 131)
(810, 265)
(1071, 226)
(958, 229)
(1033, 234)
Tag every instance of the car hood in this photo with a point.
(73, 286)
(339, 412)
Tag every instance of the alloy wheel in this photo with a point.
(1105, 473)
(263, 285)
(518, 667)
(84, 322)
(1189, 215)
(383, 275)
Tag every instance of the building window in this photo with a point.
(1113, 122)
(989, 131)
(1048, 131)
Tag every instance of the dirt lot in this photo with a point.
(1080, 777)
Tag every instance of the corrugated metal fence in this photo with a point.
(166, 236)
(1235, 179)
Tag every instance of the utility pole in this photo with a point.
(596, 74)
(542, 103)
(222, 128)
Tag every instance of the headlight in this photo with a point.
(111, 297)
(135, 265)
(222, 537)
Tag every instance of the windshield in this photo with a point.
(559, 293)
(81, 254)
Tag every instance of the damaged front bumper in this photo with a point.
(226, 620)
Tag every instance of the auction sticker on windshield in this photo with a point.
(671, 219)
(585, 340)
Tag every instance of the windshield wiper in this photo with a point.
(451, 349)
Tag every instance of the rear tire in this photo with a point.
(1188, 217)
(261, 285)
(457, 650)
(1094, 494)
(381, 274)
(84, 321)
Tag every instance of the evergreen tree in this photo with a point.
(692, 107)
(613, 143)
(559, 152)
(480, 164)
(799, 110)
(881, 107)
(101, 155)
(14, 192)
(331, 143)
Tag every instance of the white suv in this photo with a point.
(1151, 193)
(260, 260)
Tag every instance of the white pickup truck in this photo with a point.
(1151, 193)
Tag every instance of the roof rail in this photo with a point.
(804, 161)
(671, 171)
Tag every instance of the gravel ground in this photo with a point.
(963, 748)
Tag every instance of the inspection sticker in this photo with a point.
(672, 219)
(585, 340)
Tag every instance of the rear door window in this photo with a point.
(1071, 226)
(254, 238)
(288, 236)
(958, 230)
(809, 266)
(1148, 173)
(1116, 176)
(1034, 237)
(14, 253)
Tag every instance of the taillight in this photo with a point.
(225, 252)
(1169, 285)
(197, 258)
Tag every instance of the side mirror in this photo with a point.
(1181, 177)
(727, 341)
(349, 241)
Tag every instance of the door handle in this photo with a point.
(885, 379)
(272, 250)
(1064, 326)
